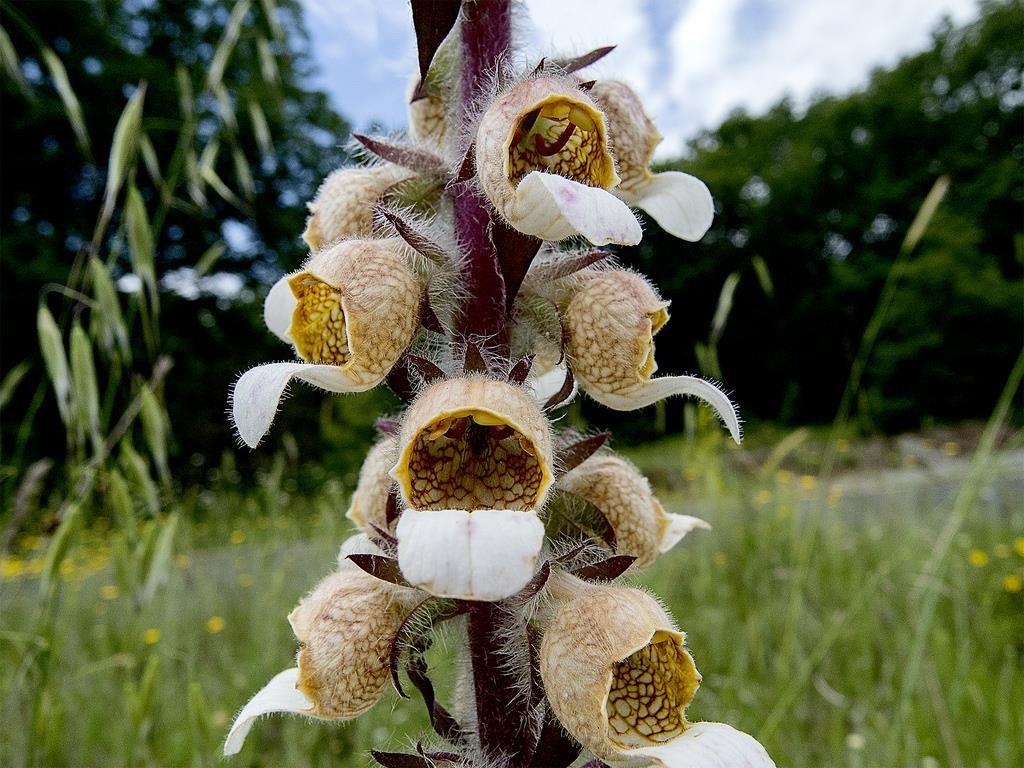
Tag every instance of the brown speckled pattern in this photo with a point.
(343, 206)
(611, 319)
(370, 500)
(631, 133)
(447, 462)
(346, 625)
(318, 322)
(624, 497)
(582, 661)
(649, 691)
(380, 299)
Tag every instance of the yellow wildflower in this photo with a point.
(1012, 583)
(109, 592)
(978, 558)
(215, 624)
(151, 636)
(237, 536)
(1018, 545)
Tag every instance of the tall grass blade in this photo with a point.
(270, 12)
(764, 277)
(260, 128)
(84, 385)
(137, 471)
(51, 345)
(9, 59)
(72, 107)
(58, 549)
(225, 107)
(725, 302)
(210, 257)
(154, 429)
(140, 242)
(243, 174)
(160, 564)
(226, 46)
(268, 64)
(150, 160)
(122, 154)
(11, 381)
(186, 98)
(107, 321)
(120, 501)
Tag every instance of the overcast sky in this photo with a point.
(692, 61)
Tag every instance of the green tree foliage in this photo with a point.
(825, 198)
(232, 144)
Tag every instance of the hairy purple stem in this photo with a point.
(502, 720)
(486, 36)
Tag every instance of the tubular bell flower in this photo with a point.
(343, 206)
(679, 202)
(369, 503)
(619, 678)
(346, 626)
(474, 467)
(350, 313)
(611, 319)
(543, 161)
(642, 526)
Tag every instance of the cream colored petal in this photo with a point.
(258, 392)
(653, 390)
(487, 554)
(545, 385)
(279, 695)
(278, 309)
(679, 202)
(344, 203)
(553, 207)
(709, 745)
(676, 527)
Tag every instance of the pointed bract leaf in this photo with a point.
(432, 20)
(416, 240)
(521, 370)
(425, 368)
(606, 570)
(563, 267)
(575, 454)
(516, 252)
(383, 568)
(408, 157)
(579, 62)
(400, 760)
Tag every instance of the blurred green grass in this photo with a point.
(820, 686)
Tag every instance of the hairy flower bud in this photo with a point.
(474, 467)
(350, 313)
(428, 119)
(346, 626)
(611, 319)
(615, 669)
(615, 487)
(543, 161)
(343, 206)
(619, 678)
(680, 203)
(369, 503)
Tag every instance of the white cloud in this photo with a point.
(812, 45)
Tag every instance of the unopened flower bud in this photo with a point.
(343, 206)
(617, 489)
(350, 313)
(474, 467)
(543, 161)
(428, 119)
(346, 626)
(611, 320)
(619, 678)
(369, 504)
(679, 202)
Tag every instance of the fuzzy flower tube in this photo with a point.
(457, 267)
